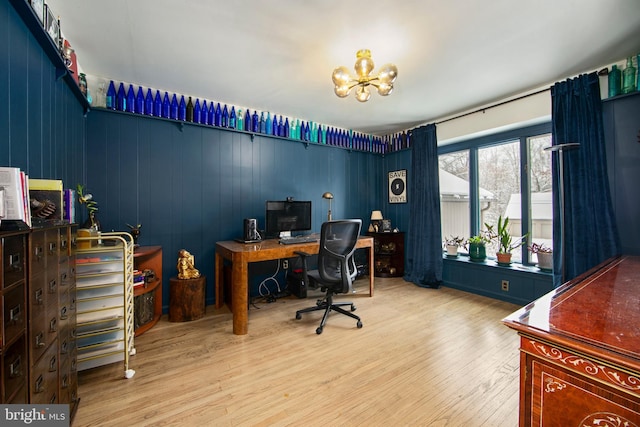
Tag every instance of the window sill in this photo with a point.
(492, 263)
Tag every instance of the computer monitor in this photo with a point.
(286, 216)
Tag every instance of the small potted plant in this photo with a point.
(477, 244)
(544, 254)
(506, 243)
(452, 244)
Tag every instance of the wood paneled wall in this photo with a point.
(191, 185)
(42, 126)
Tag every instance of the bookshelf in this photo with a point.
(148, 296)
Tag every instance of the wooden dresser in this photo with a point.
(580, 350)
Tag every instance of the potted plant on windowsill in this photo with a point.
(506, 243)
(478, 244)
(545, 256)
(452, 244)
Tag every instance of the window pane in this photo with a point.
(454, 194)
(541, 211)
(499, 180)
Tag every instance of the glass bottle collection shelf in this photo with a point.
(252, 134)
(24, 10)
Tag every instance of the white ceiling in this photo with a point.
(278, 56)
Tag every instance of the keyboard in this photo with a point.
(297, 240)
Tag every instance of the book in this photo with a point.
(46, 199)
(13, 183)
(69, 202)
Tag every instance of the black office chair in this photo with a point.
(336, 268)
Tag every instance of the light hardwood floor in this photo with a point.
(425, 357)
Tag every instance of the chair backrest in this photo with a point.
(337, 244)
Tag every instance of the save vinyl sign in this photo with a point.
(398, 186)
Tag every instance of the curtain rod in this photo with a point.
(492, 106)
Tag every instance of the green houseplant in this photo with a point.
(478, 244)
(544, 254)
(506, 242)
(452, 244)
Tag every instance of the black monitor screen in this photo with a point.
(283, 217)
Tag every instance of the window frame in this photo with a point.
(473, 144)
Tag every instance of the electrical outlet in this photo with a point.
(285, 264)
(505, 285)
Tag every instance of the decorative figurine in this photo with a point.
(186, 266)
(135, 233)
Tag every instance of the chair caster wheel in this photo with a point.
(319, 331)
(359, 324)
(353, 307)
(298, 316)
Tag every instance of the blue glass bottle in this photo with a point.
(225, 117)
(111, 96)
(232, 118)
(274, 126)
(240, 122)
(157, 105)
(166, 106)
(280, 127)
(286, 128)
(131, 100)
(262, 124)
(247, 120)
(211, 117)
(196, 111)
(217, 119)
(204, 112)
(148, 103)
(182, 109)
(121, 98)
(320, 139)
(139, 104)
(268, 124)
(174, 108)
(255, 122)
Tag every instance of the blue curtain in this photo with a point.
(424, 236)
(590, 233)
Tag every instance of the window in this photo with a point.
(506, 174)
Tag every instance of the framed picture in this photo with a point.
(398, 186)
(386, 225)
(51, 26)
(38, 8)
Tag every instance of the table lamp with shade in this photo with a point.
(376, 219)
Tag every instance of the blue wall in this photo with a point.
(191, 185)
(42, 128)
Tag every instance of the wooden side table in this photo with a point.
(186, 299)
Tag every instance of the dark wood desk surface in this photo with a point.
(241, 254)
(580, 348)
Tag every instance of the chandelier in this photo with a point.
(364, 65)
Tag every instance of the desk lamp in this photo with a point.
(376, 218)
(329, 197)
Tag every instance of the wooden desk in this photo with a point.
(241, 255)
(580, 350)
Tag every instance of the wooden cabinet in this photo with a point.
(388, 249)
(13, 320)
(148, 295)
(580, 350)
(104, 307)
(38, 346)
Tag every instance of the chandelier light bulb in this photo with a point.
(364, 65)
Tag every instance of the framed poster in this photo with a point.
(398, 186)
